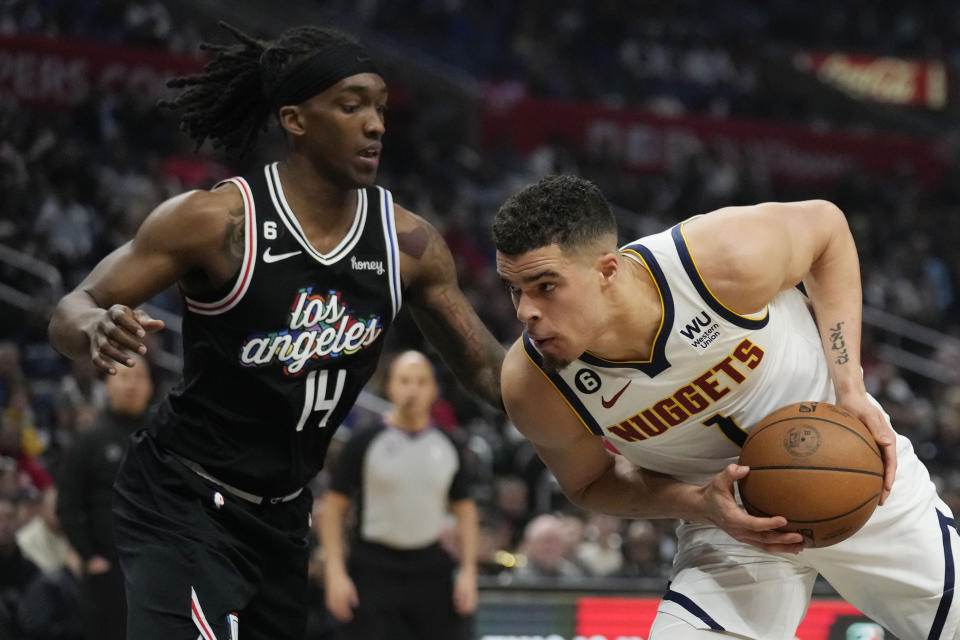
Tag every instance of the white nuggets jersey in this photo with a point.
(711, 376)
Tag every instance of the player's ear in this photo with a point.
(291, 119)
(608, 265)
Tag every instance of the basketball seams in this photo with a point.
(791, 521)
(833, 422)
(829, 504)
(799, 467)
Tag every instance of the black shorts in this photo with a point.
(404, 595)
(195, 569)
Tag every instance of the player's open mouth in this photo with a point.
(372, 151)
(540, 343)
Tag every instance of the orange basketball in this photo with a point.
(816, 465)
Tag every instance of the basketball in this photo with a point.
(816, 465)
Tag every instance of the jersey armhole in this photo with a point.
(693, 273)
(245, 274)
(393, 248)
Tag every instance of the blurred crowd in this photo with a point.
(76, 183)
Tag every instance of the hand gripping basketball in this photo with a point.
(724, 512)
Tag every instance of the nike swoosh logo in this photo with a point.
(269, 257)
(612, 401)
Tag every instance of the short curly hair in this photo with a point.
(562, 209)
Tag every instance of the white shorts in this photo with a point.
(900, 569)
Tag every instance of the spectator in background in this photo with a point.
(86, 476)
(10, 371)
(513, 505)
(404, 474)
(546, 546)
(32, 478)
(641, 552)
(600, 552)
(51, 607)
(16, 572)
(41, 539)
(83, 386)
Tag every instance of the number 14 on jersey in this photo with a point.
(315, 399)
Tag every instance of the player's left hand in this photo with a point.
(859, 405)
(465, 592)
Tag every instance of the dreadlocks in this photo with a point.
(231, 100)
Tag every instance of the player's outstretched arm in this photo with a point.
(98, 319)
(747, 255)
(592, 477)
(442, 312)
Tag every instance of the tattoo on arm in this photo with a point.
(838, 344)
(233, 240)
(446, 318)
(467, 347)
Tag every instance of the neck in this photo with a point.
(634, 316)
(408, 421)
(312, 191)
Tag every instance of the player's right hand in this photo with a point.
(117, 333)
(341, 596)
(723, 511)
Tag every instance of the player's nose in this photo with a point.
(375, 126)
(526, 310)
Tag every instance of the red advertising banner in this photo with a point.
(631, 618)
(645, 142)
(61, 73)
(915, 83)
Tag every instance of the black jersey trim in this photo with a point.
(349, 240)
(690, 266)
(393, 248)
(561, 386)
(658, 355)
(245, 275)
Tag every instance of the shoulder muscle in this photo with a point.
(747, 255)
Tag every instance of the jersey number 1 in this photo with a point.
(315, 398)
(728, 427)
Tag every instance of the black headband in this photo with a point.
(321, 71)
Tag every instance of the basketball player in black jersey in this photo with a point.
(291, 275)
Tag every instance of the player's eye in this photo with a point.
(349, 108)
(547, 287)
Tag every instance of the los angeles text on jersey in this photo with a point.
(691, 398)
(319, 327)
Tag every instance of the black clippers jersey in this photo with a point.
(274, 364)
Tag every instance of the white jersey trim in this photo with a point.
(349, 240)
(393, 248)
(240, 287)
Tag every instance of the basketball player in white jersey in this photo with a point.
(671, 349)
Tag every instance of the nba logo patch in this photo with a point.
(233, 624)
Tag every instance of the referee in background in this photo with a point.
(405, 476)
